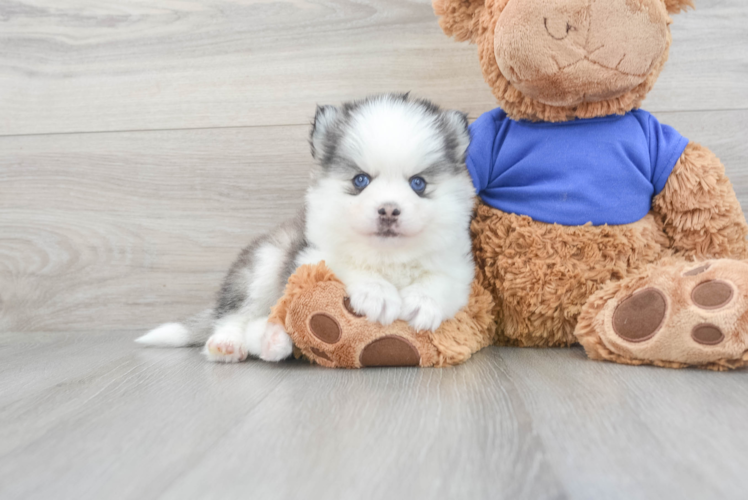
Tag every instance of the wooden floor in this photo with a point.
(142, 143)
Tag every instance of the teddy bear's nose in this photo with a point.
(558, 28)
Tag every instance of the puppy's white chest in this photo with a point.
(401, 275)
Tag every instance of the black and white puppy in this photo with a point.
(388, 209)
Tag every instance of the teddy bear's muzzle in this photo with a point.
(566, 52)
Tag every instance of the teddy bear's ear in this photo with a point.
(456, 17)
(676, 6)
(324, 121)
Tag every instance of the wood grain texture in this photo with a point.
(614, 431)
(127, 230)
(95, 416)
(131, 65)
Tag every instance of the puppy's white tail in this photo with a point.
(193, 332)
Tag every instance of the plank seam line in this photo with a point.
(306, 124)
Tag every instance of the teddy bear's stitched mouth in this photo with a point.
(514, 77)
(587, 58)
(593, 93)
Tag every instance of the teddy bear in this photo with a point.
(596, 224)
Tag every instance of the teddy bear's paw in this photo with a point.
(422, 312)
(686, 314)
(388, 350)
(379, 301)
(328, 330)
(346, 339)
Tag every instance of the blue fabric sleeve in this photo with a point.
(666, 146)
(480, 155)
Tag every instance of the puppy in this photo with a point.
(388, 210)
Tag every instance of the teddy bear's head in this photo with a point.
(557, 60)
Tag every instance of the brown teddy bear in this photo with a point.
(597, 224)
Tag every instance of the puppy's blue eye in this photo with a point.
(361, 181)
(418, 184)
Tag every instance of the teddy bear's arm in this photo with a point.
(698, 208)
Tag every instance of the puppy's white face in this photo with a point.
(392, 153)
(392, 176)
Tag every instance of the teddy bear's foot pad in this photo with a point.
(391, 350)
(330, 333)
(683, 314)
(640, 317)
(325, 328)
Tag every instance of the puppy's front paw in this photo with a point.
(276, 344)
(225, 347)
(378, 301)
(421, 311)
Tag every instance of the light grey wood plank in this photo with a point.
(124, 65)
(131, 65)
(723, 133)
(615, 431)
(120, 231)
(708, 60)
(397, 433)
(511, 423)
(31, 363)
(167, 424)
(123, 429)
(127, 230)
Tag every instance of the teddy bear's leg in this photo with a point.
(327, 330)
(676, 314)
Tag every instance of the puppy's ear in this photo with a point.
(677, 6)
(458, 133)
(321, 138)
(458, 17)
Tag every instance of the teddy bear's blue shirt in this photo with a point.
(600, 170)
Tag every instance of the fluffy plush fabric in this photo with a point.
(687, 333)
(542, 274)
(614, 25)
(539, 58)
(315, 313)
(698, 209)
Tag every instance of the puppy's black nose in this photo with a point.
(389, 210)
